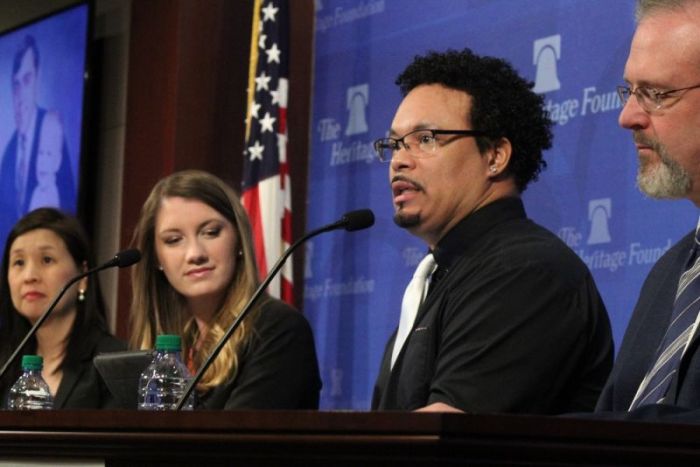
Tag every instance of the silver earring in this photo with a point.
(240, 253)
(493, 169)
(81, 295)
(160, 268)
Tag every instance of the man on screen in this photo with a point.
(657, 370)
(18, 172)
(511, 320)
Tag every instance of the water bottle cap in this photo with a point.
(32, 362)
(168, 342)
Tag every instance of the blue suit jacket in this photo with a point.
(9, 211)
(644, 334)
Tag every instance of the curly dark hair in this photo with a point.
(503, 104)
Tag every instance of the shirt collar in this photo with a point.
(474, 226)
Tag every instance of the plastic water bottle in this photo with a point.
(164, 381)
(30, 391)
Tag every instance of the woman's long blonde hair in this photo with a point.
(157, 308)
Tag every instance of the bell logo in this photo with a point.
(545, 53)
(599, 212)
(357, 101)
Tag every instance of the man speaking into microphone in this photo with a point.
(500, 316)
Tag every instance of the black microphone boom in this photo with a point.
(351, 221)
(358, 220)
(122, 259)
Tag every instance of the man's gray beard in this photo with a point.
(406, 221)
(667, 180)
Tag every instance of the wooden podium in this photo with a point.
(281, 438)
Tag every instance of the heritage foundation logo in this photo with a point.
(546, 58)
(351, 144)
(357, 101)
(545, 53)
(599, 212)
(598, 250)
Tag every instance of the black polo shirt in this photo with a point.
(513, 323)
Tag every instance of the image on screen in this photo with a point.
(42, 86)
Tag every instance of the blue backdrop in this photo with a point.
(574, 51)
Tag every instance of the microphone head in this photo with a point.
(357, 220)
(127, 258)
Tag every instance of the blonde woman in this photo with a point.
(197, 272)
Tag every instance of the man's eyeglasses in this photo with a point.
(418, 143)
(651, 99)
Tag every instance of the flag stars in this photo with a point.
(275, 96)
(262, 82)
(261, 41)
(254, 110)
(266, 123)
(269, 12)
(278, 95)
(273, 54)
(256, 151)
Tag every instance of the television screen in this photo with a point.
(42, 87)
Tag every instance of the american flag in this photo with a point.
(266, 184)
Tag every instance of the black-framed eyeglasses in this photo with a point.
(418, 143)
(651, 99)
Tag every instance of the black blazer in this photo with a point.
(278, 368)
(81, 385)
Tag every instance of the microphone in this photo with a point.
(350, 221)
(357, 220)
(122, 259)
